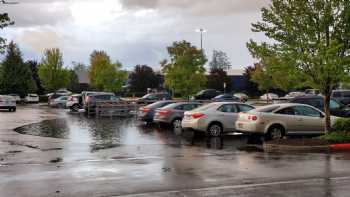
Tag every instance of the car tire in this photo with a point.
(215, 130)
(176, 123)
(275, 133)
(75, 108)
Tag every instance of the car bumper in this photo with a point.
(146, 117)
(162, 119)
(8, 107)
(197, 125)
(249, 127)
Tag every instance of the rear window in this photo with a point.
(341, 94)
(267, 109)
(205, 107)
(159, 104)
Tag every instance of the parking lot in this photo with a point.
(55, 153)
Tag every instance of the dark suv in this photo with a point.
(342, 95)
(336, 108)
(206, 94)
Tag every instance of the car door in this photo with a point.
(288, 117)
(311, 120)
(227, 115)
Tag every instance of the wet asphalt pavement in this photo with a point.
(55, 153)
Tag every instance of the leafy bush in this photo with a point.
(336, 137)
(342, 125)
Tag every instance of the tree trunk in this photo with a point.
(326, 100)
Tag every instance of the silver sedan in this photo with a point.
(214, 118)
(276, 121)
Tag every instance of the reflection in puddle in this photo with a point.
(91, 135)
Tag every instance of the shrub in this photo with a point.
(336, 137)
(341, 125)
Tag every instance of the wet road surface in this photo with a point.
(71, 155)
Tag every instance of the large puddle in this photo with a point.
(105, 133)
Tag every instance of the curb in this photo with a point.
(340, 147)
(274, 147)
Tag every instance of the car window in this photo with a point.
(333, 104)
(189, 107)
(245, 108)
(336, 94)
(313, 102)
(180, 107)
(267, 109)
(229, 108)
(306, 111)
(286, 111)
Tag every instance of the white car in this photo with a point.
(276, 121)
(16, 97)
(214, 118)
(7, 102)
(294, 94)
(243, 97)
(59, 102)
(74, 102)
(269, 96)
(32, 98)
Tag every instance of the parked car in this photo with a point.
(146, 113)
(225, 97)
(31, 98)
(276, 121)
(269, 96)
(312, 92)
(206, 94)
(294, 94)
(214, 118)
(342, 95)
(92, 99)
(336, 108)
(154, 97)
(7, 102)
(243, 97)
(16, 97)
(75, 102)
(63, 92)
(172, 114)
(59, 102)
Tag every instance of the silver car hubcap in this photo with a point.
(276, 133)
(215, 130)
(177, 124)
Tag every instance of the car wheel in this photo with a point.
(75, 108)
(275, 133)
(215, 130)
(177, 124)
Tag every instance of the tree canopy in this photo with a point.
(16, 76)
(184, 72)
(144, 77)
(105, 75)
(310, 39)
(52, 74)
(220, 60)
(4, 22)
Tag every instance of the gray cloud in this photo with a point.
(30, 13)
(198, 7)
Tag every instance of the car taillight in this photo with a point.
(145, 110)
(252, 117)
(197, 115)
(163, 112)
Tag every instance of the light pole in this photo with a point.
(201, 31)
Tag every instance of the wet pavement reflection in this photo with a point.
(105, 133)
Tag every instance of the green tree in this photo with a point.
(16, 76)
(251, 87)
(310, 37)
(4, 22)
(105, 75)
(142, 78)
(220, 60)
(184, 73)
(217, 78)
(51, 72)
(33, 65)
(263, 78)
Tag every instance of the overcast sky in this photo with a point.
(132, 31)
